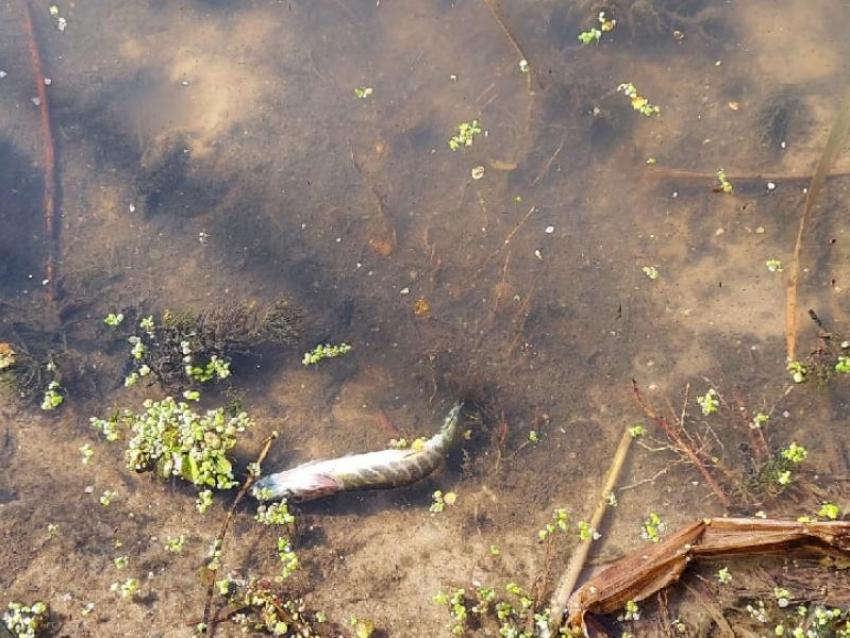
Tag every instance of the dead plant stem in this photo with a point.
(577, 562)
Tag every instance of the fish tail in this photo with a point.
(445, 438)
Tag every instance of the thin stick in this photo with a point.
(834, 145)
(708, 176)
(491, 4)
(568, 581)
(212, 623)
(681, 446)
(51, 228)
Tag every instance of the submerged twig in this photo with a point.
(212, 623)
(51, 228)
(492, 5)
(660, 172)
(681, 446)
(574, 568)
(834, 145)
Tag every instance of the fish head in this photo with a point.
(296, 485)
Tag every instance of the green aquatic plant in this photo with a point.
(175, 545)
(639, 103)
(53, 397)
(440, 500)
(708, 402)
(724, 576)
(126, 589)
(632, 611)
(171, 439)
(361, 93)
(107, 497)
(651, 272)
(113, 319)
(559, 523)
(779, 470)
(274, 514)
(652, 528)
(322, 352)
(466, 132)
(773, 265)
(586, 532)
(288, 559)
(594, 34)
(799, 372)
(725, 184)
(25, 621)
(267, 609)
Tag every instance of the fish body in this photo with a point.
(370, 471)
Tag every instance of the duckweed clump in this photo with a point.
(171, 439)
(25, 621)
(263, 608)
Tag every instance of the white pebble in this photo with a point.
(404, 291)
(47, 81)
(771, 186)
(550, 230)
(36, 101)
(3, 74)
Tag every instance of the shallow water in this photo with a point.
(213, 152)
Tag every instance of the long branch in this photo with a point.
(51, 227)
(568, 581)
(212, 624)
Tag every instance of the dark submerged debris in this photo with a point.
(190, 348)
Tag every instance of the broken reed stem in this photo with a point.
(834, 145)
(681, 446)
(685, 175)
(568, 581)
(212, 623)
(51, 228)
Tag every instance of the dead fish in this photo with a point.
(370, 471)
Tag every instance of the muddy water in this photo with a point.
(213, 152)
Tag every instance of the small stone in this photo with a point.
(549, 230)
(132, 208)
(36, 101)
(3, 74)
(760, 230)
(478, 172)
(719, 232)
(185, 83)
(47, 81)
(404, 291)
(771, 186)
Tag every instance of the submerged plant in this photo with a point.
(191, 348)
(594, 34)
(322, 351)
(25, 621)
(171, 439)
(639, 103)
(725, 184)
(466, 132)
(53, 397)
(266, 609)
